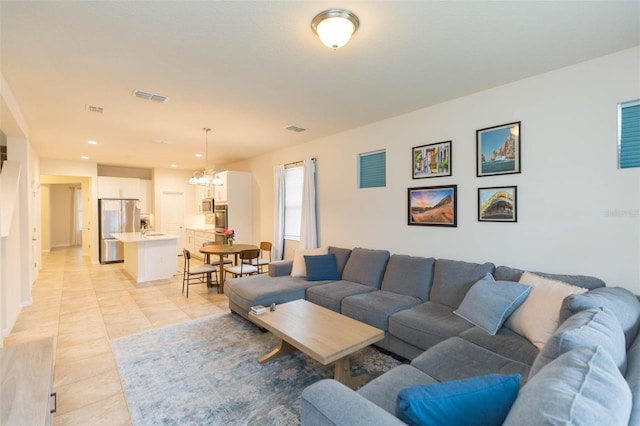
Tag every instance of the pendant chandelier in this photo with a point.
(205, 177)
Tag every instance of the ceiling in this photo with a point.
(248, 69)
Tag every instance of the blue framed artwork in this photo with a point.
(498, 150)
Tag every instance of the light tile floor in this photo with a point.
(85, 306)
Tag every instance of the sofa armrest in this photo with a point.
(329, 402)
(280, 268)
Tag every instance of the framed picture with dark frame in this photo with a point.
(433, 160)
(498, 204)
(433, 205)
(498, 150)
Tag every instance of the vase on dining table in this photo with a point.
(230, 243)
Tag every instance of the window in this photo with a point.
(293, 177)
(629, 134)
(372, 169)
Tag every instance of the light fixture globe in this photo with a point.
(335, 27)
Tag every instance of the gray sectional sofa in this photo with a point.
(588, 372)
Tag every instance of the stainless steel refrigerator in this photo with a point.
(116, 215)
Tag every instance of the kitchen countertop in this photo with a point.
(203, 229)
(139, 237)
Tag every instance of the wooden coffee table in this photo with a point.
(322, 334)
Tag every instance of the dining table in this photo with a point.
(223, 250)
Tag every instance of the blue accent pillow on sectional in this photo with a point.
(322, 267)
(488, 303)
(484, 400)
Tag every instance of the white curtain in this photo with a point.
(308, 225)
(278, 212)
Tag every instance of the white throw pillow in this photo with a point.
(537, 318)
(299, 267)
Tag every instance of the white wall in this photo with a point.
(577, 213)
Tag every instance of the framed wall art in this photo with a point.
(433, 205)
(431, 160)
(498, 204)
(498, 150)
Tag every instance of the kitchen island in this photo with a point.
(150, 256)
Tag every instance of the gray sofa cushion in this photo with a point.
(633, 380)
(330, 295)
(246, 292)
(383, 391)
(409, 275)
(456, 358)
(329, 402)
(506, 273)
(374, 308)
(488, 303)
(366, 266)
(426, 324)
(596, 326)
(507, 343)
(342, 255)
(581, 387)
(453, 278)
(620, 301)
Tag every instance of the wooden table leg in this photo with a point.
(282, 349)
(343, 374)
(221, 274)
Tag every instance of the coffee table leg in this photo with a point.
(343, 374)
(282, 349)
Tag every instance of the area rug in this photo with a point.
(206, 372)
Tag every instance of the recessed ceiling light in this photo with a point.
(174, 165)
(199, 155)
(92, 142)
(84, 157)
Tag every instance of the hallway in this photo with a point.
(85, 306)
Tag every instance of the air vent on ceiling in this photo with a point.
(150, 96)
(93, 108)
(295, 129)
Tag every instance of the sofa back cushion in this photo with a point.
(342, 255)
(505, 273)
(624, 305)
(453, 278)
(633, 380)
(591, 327)
(581, 387)
(409, 275)
(366, 266)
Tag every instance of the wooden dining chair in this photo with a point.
(196, 274)
(216, 261)
(244, 267)
(262, 260)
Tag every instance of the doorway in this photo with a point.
(172, 216)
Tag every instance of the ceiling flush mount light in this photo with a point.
(335, 27)
(205, 177)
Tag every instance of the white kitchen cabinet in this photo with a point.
(237, 193)
(221, 192)
(145, 194)
(118, 187)
(201, 193)
(195, 239)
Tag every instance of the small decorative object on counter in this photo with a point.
(230, 234)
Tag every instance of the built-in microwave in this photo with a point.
(207, 205)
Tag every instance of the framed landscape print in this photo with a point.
(432, 160)
(498, 204)
(498, 150)
(433, 205)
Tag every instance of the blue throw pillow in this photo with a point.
(489, 302)
(484, 400)
(322, 267)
